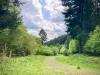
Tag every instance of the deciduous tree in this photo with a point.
(43, 35)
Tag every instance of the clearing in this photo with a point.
(69, 70)
(42, 65)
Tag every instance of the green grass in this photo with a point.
(36, 65)
(23, 66)
(30, 65)
(80, 60)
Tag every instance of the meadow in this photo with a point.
(29, 65)
(50, 65)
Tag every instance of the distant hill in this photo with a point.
(59, 40)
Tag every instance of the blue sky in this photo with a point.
(45, 14)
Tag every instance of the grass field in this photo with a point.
(39, 65)
(81, 61)
(29, 65)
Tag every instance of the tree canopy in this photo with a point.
(43, 35)
(9, 14)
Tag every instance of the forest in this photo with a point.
(23, 52)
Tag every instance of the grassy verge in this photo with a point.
(23, 66)
(80, 61)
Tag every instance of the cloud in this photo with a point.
(32, 13)
(35, 18)
(55, 8)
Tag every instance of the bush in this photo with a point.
(78, 67)
(62, 50)
(48, 51)
(66, 53)
(92, 46)
(73, 47)
(54, 49)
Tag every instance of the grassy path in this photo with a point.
(41, 65)
(69, 70)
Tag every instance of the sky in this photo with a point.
(46, 14)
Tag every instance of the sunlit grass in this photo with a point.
(30, 65)
(80, 60)
(23, 66)
(36, 65)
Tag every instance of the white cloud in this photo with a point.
(55, 8)
(33, 18)
(32, 12)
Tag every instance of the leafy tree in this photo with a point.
(4, 40)
(73, 46)
(9, 19)
(17, 39)
(19, 42)
(43, 35)
(22, 43)
(92, 45)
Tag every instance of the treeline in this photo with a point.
(57, 41)
(82, 18)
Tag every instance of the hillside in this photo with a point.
(59, 40)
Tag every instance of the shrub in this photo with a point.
(55, 50)
(62, 50)
(66, 52)
(78, 67)
(73, 47)
(48, 51)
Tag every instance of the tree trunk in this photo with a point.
(80, 46)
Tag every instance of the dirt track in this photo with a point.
(68, 70)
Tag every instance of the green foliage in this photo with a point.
(62, 50)
(67, 42)
(48, 51)
(59, 40)
(43, 35)
(9, 14)
(81, 60)
(81, 17)
(12, 32)
(54, 50)
(78, 67)
(73, 46)
(92, 46)
(59, 48)
(4, 38)
(19, 42)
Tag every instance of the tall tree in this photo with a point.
(74, 19)
(9, 14)
(43, 35)
(9, 19)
